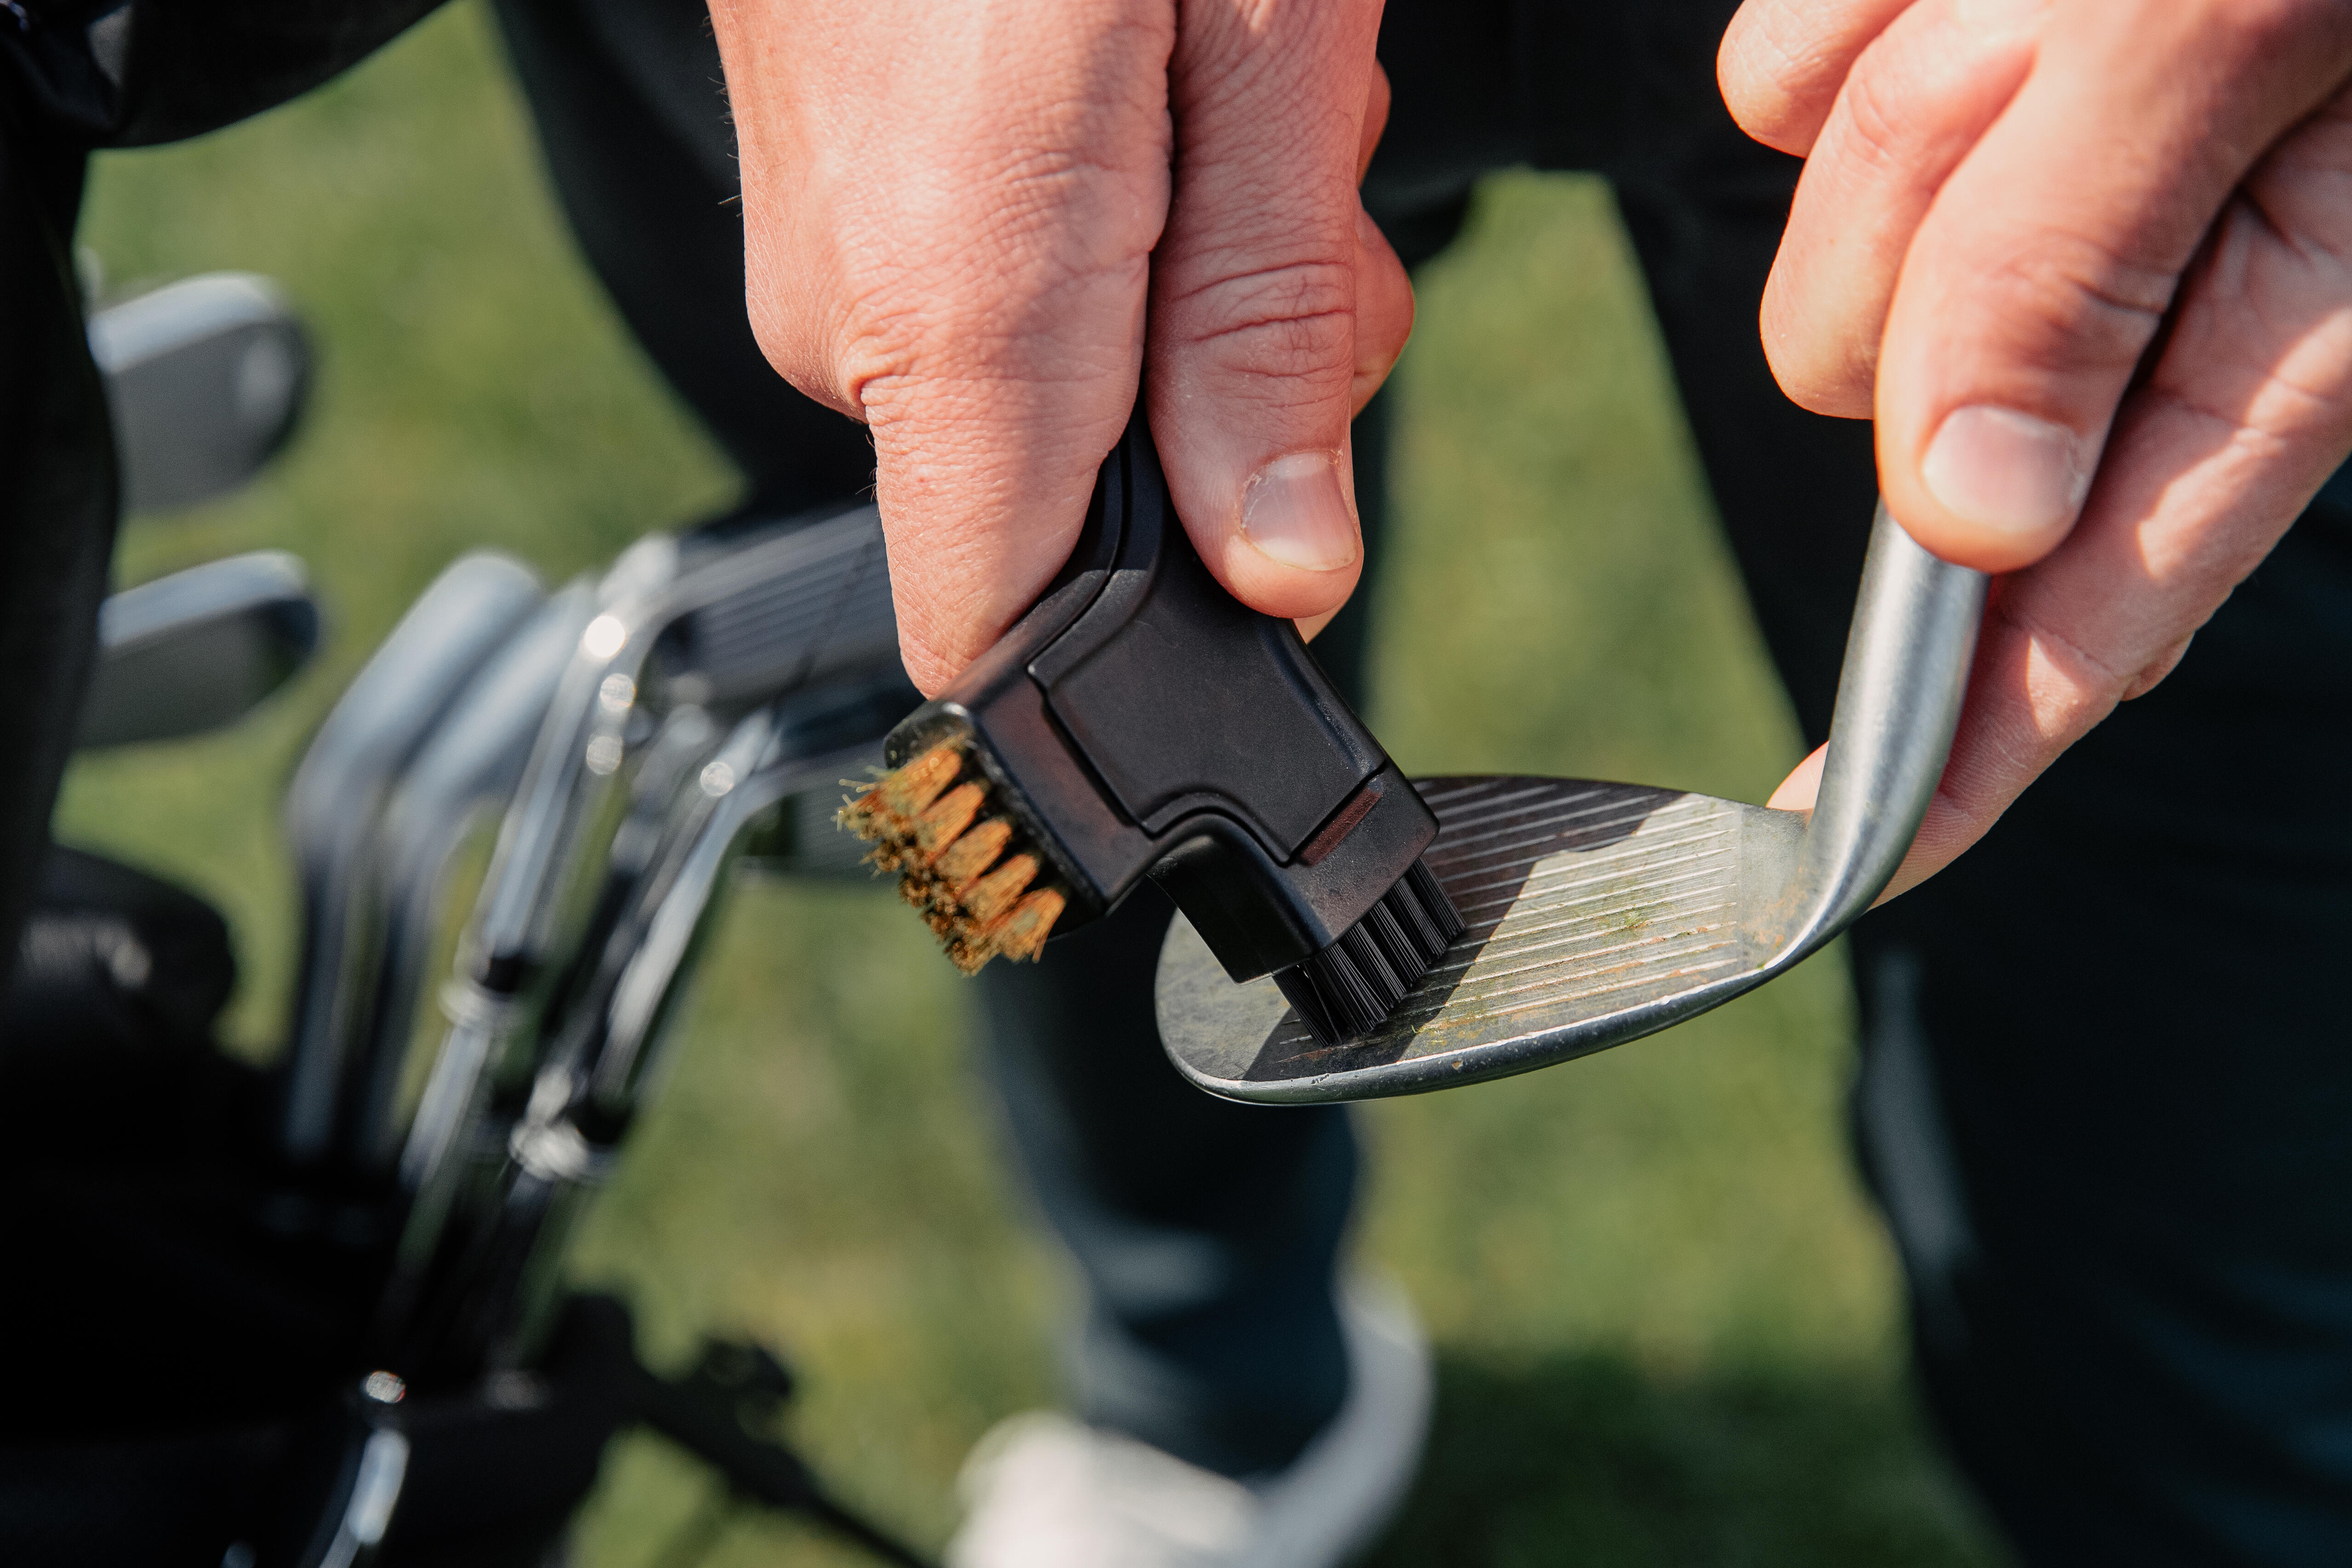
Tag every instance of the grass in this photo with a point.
(1668, 1327)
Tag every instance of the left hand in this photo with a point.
(2088, 264)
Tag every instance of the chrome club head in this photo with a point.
(198, 650)
(792, 618)
(335, 804)
(206, 379)
(1601, 912)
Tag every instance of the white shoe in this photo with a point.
(1045, 1490)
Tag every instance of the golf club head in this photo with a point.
(467, 767)
(725, 625)
(1599, 913)
(198, 650)
(206, 379)
(339, 795)
(609, 1061)
(721, 624)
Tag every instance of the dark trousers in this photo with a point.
(2110, 1126)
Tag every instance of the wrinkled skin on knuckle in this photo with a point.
(1261, 270)
(1292, 325)
(1030, 263)
(1263, 295)
(2059, 306)
(1908, 113)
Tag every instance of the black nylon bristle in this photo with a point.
(1424, 905)
(1351, 987)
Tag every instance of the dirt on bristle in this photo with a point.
(928, 823)
(971, 854)
(1019, 933)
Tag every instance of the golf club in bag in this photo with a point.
(282, 1322)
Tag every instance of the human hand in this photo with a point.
(974, 226)
(2088, 263)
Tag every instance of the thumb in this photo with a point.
(1268, 295)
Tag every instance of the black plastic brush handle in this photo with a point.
(1140, 721)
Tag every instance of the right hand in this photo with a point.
(976, 226)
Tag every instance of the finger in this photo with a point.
(1946, 831)
(1918, 98)
(2041, 272)
(1783, 61)
(1253, 358)
(1376, 121)
(949, 237)
(1383, 311)
(2241, 418)
(1383, 290)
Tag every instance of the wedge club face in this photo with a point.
(1599, 913)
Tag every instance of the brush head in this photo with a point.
(957, 863)
(1139, 722)
(1351, 987)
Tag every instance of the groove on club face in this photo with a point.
(1596, 913)
(1606, 911)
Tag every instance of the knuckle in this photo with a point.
(781, 322)
(1880, 119)
(975, 322)
(2090, 304)
(2078, 684)
(2262, 27)
(1032, 250)
(2152, 674)
(1296, 321)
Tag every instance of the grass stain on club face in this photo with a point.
(1666, 1326)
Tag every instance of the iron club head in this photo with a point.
(198, 650)
(467, 767)
(715, 624)
(205, 378)
(336, 801)
(1601, 912)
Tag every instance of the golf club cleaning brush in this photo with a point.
(1140, 721)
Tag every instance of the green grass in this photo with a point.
(1668, 1327)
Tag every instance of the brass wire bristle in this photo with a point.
(926, 823)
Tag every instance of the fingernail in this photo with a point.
(2007, 471)
(1294, 511)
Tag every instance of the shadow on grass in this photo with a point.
(1590, 1460)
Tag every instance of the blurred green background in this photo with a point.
(1668, 1327)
